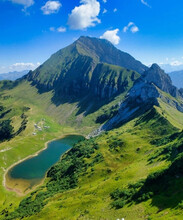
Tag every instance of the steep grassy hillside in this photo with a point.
(109, 80)
(133, 172)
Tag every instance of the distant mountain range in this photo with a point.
(171, 68)
(13, 75)
(177, 78)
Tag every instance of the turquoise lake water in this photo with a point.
(36, 167)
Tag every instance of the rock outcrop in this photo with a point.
(154, 84)
(162, 80)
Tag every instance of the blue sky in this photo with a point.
(32, 30)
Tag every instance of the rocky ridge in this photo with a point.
(154, 84)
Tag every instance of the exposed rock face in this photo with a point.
(181, 92)
(143, 91)
(148, 85)
(144, 94)
(159, 78)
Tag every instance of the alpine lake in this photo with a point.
(26, 175)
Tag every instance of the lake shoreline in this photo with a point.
(28, 157)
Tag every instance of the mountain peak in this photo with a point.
(155, 66)
(70, 70)
(155, 69)
(159, 78)
(156, 75)
(87, 39)
(103, 51)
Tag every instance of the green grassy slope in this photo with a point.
(169, 110)
(18, 107)
(24, 106)
(133, 172)
(118, 77)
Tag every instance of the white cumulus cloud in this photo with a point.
(176, 63)
(111, 36)
(25, 3)
(61, 29)
(23, 66)
(85, 15)
(132, 27)
(51, 7)
(145, 3)
(19, 67)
